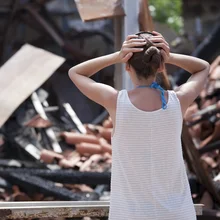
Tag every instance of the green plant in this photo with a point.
(167, 11)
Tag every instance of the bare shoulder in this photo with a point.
(186, 94)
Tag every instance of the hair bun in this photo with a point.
(152, 57)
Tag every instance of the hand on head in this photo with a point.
(159, 41)
(133, 44)
(130, 46)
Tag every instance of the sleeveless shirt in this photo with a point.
(149, 179)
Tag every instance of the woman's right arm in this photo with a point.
(199, 69)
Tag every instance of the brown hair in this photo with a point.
(146, 62)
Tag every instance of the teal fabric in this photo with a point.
(155, 85)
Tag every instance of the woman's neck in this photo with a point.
(144, 82)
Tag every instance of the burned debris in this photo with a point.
(51, 147)
(201, 141)
(39, 141)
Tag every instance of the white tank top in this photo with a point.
(149, 180)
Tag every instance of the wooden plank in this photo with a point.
(195, 165)
(22, 74)
(98, 9)
(54, 209)
(49, 131)
(145, 19)
(74, 118)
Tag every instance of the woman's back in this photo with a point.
(151, 97)
(149, 179)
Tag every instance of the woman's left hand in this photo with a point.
(159, 41)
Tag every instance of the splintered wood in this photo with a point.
(22, 74)
(99, 9)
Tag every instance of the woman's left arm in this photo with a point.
(100, 93)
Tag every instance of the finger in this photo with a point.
(157, 33)
(158, 40)
(133, 50)
(131, 36)
(167, 51)
(136, 40)
(135, 44)
(164, 57)
(127, 57)
(163, 46)
(136, 49)
(163, 54)
(158, 37)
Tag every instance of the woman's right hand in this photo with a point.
(129, 47)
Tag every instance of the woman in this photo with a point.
(149, 180)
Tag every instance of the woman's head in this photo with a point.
(147, 62)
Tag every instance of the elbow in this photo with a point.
(71, 73)
(207, 68)
(207, 64)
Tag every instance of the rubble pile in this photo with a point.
(202, 119)
(46, 152)
(34, 171)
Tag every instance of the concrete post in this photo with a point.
(124, 26)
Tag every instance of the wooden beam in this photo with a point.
(22, 74)
(145, 19)
(194, 162)
(98, 9)
(72, 209)
(123, 27)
